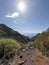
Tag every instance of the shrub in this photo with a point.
(8, 45)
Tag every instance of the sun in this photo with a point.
(21, 6)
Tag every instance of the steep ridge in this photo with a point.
(5, 31)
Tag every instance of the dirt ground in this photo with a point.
(30, 57)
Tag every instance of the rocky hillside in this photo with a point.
(13, 52)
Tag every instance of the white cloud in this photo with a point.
(13, 15)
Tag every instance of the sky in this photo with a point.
(30, 17)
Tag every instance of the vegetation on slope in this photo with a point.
(42, 42)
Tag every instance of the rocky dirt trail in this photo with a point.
(30, 56)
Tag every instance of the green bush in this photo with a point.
(8, 45)
(30, 44)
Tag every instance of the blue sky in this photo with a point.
(34, 19)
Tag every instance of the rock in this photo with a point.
(23, 49)
(21, 62)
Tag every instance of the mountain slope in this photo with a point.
(42, 42)
(34, 37)
(5, 31)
